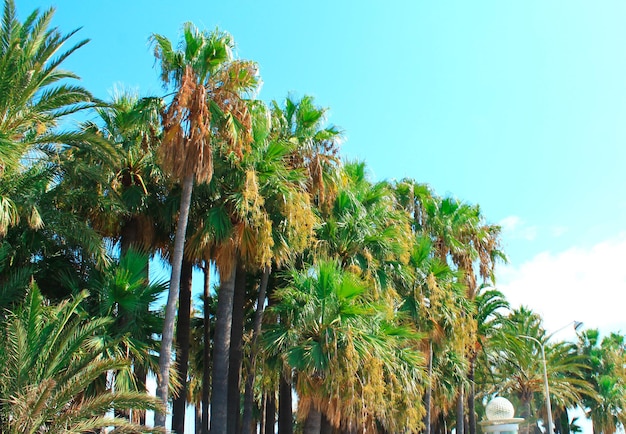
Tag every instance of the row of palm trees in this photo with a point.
(368, 302)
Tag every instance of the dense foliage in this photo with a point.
(370, 302)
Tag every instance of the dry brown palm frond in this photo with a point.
(187, 132)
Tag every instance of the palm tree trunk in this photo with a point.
(236, 337)
(471, 410)
(313, 423)
(429, 390)
(221, 352)
(270, 413)
(198, 419)
(130, 235)
(141, 373)
(285, 412)
(165, 357)
(525, 414)
(327, 428)
(248, 399)
(460, 413)
(182, 346)
(206, 349)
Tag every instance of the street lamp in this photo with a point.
(577, 325)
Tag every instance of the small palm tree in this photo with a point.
(50, 358)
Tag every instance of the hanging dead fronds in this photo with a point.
(186, 146)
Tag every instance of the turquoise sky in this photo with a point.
(519, 106)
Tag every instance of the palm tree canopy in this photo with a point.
(34, 93)
(208, 83)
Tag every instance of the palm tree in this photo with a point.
(134, 183)
(354, 368)
(606, 360)
(436, 302)
(208, 84)
(34, 96)
(461, 238)
(262, 209)
(121, 292)
(302, 123)
(489, 316)
(517, 370)
(299, 127)
(50, 358)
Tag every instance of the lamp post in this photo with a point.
(577, 325)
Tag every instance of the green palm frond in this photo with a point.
(51, 358)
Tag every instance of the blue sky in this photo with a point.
(519, 106)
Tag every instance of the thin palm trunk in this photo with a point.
(165, 357)
(234, 362)
(270, 413)
(198, 418)
(429, 390)
(460, 413)
(221, 352)
(285, 412)
(206, 349)
(141, 373)
(182, 346)
(248, 400)
(471, 410)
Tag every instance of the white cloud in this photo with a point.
(586, 285)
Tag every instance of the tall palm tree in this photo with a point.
(206, 105)
(436, 302)
(491, 306)
(302, 123)
(49, 359)
(462, 238)
(134, 183)
(300, 126)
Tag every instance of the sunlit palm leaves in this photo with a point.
(351, 363)
(606, 359)
(49, 358)
(517, 366)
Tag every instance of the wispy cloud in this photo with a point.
(514, 227)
